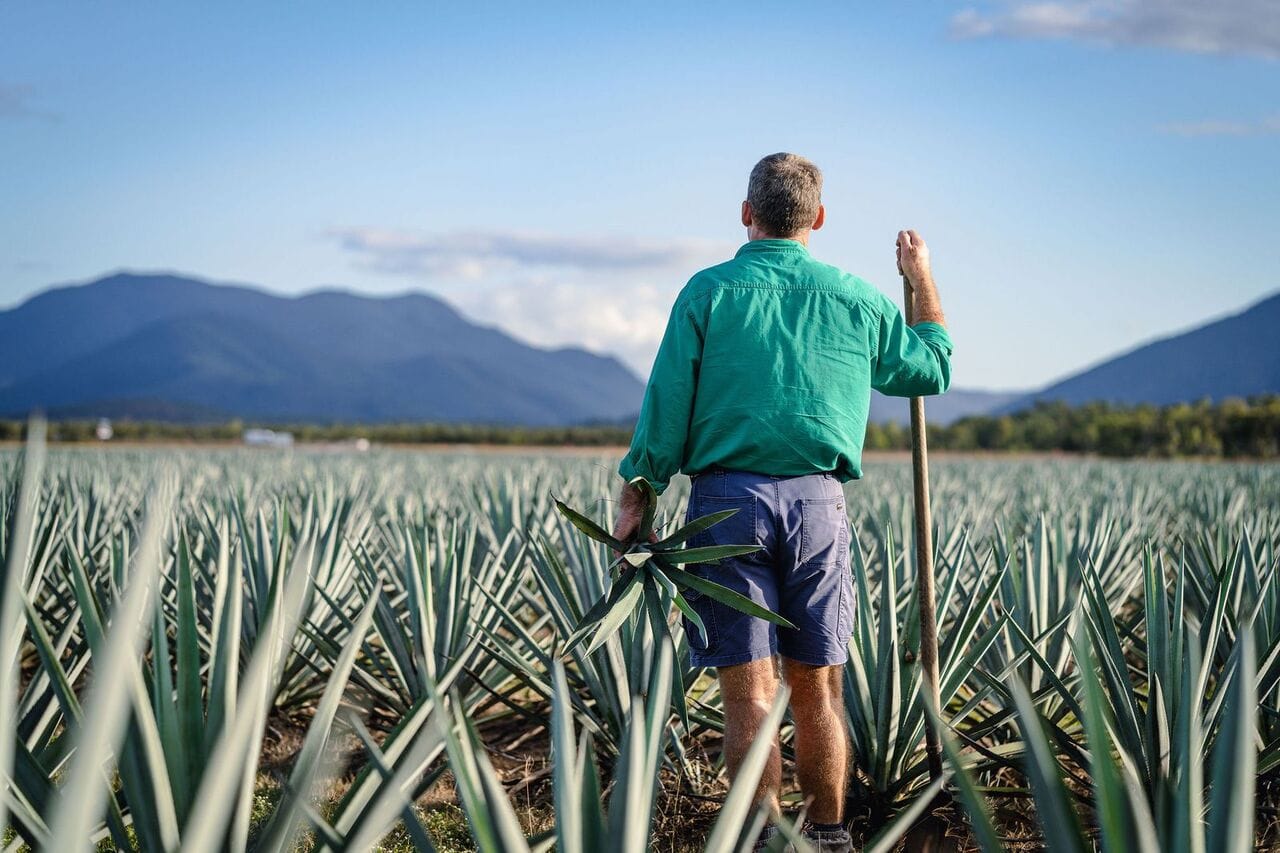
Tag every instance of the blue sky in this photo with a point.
(1088, 174)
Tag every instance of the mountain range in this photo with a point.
(182, 349)
(957, 403)
(175, 348)
(1236, 356)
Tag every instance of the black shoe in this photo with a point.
(766, 836)
(829, 841)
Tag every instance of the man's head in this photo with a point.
(784, 198)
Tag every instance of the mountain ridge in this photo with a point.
(139, 344)
(326, 355)
(1233, 355)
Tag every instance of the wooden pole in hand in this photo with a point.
(924, 559)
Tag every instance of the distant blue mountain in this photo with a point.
(168, 347)
(183, 349)
(1238, 356)
(952, 406)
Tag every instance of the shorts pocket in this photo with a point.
(823, 531)
(737, 529)
(844, 627)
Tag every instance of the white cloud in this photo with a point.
(624, 318)
(607, 294)
(476, 254)
(1215, 127)
(1245, 27)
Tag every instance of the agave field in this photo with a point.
(216, 649)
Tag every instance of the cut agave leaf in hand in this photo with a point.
(655, 566)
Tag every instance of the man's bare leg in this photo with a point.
(822, 743)
(747, 691)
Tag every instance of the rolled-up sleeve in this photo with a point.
(911, 361)
(658, 444)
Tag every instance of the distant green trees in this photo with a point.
(392, 433)
(1231, 428)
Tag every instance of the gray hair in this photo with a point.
(784, 192)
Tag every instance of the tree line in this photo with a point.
(1232, 428)
(233, 431)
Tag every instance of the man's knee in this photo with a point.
(814, 689)
(747, 690)
(748, 711)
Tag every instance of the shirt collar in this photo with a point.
(771, 245)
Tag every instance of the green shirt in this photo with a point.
(767, 365)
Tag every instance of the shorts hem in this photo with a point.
(829, 657)
(732, 659)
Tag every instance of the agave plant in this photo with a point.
(650, 577)
(604, 680)
(884, 702)
(1125, 819)
(1160, 672)
(375, 611)
(586, 821)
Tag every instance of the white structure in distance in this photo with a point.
(267, 438)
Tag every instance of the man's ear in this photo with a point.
(746, 214)
(822, 217)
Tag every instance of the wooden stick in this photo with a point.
(924, 560)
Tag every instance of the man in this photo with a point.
(760, 392)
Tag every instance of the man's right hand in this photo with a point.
(913, 259)
(913, 263)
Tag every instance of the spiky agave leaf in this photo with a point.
(589, 527)
(657, 563)
(693, 528)
(650, 512)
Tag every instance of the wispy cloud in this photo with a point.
(625, 318)
(478, 254)
(1214, 127)
(1244, 27)
(15, 103)
(23, 265)
(608, 294)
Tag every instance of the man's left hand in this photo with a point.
(630, 512)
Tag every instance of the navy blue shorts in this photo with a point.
(802, 571)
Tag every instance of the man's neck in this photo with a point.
(754, 233)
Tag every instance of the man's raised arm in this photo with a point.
(915, 360)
